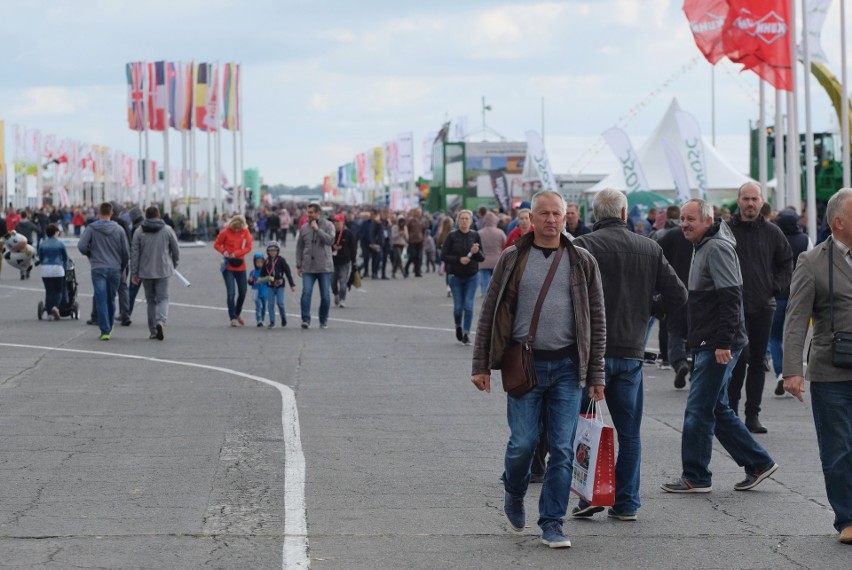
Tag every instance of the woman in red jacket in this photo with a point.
(234, 242)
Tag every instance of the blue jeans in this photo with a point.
(832, 407)
(276, 297)
(235, 285)
(558, 389)
(308, 280)
(260, 308)
(708, 411)
(776, 335)
(485, 279)
(464, 292)
(625, 400)
(105, 282)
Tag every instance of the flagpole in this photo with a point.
(239, 126)
(794, 196)
(167, 172)
(810, 173)
(844, 99)
(713, 104)
(780, 197)
(761, 138)
(209, 174)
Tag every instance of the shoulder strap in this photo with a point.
(831, 281)
(543, 293)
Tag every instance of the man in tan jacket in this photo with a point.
(831, 386)
(568, 348)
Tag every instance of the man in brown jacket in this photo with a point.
(831, 385)
(568, 347)
(416, 235)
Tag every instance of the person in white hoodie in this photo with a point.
(154, 255)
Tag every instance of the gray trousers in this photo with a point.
(157, 297)
(340, 279)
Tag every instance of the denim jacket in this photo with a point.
(51, 251)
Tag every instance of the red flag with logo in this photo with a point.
(707, 22)
(756, 35)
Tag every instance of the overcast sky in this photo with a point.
(324, 80)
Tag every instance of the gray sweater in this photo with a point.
(105, 244)
(154, 253)
(556, 320)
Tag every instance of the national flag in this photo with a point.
(756, 35)
(707, 22)
(158, 96)
(230, 96)
(201, 75)
(180, 95)
(213, 99)
(137, 74)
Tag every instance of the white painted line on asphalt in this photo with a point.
(293, 315)
(295, 549)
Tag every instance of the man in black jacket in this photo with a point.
(637, 282)
(767, 267)
(344, 252)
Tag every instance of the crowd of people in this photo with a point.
(731, 293)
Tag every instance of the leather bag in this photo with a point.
(518, 366)
(841, 344)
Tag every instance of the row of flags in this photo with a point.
(754, 33)
(183, 96)
(391, 163)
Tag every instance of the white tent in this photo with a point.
(723, 179)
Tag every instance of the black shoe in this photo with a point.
(91, 322)
(126, 322)
(680, 377)
(459, 334)
(160, 332)
(537, 478)
(584, 510)
(466, 340)
(752, 480)
(779, 387)
(754, 426)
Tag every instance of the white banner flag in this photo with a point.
(405, 152)
(817, 11)
(460, 130)
(678, 170)
(690, 132)
(634, 175)
(537, 157)
(427, 155)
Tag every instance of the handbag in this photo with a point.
(593, 471)
(518, 366)
(234, 262)
(841, 344)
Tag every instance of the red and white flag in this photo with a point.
(158, 96)
(757, 35)
(213, 114)
(707, 22)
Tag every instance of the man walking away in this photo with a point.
(766, 261)
(638, 282)
(105, 244)
(154, 256)
(717, 337)
(828, 266)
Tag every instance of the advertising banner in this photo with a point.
(634, 175)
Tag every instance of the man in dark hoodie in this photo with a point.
(717, 336)
(766, 261)
(154, 256)
(105, 244)
(788, 221)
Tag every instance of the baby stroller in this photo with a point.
(68, 306)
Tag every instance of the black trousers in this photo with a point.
(415, 257)
(749, 368)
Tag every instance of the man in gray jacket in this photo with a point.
(105, 244)
(154, 255)
(314, 263)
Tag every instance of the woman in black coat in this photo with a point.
(462, 253)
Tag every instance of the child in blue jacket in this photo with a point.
(259, 288)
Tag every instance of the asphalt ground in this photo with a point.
(190, 457)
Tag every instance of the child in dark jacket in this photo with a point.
(277, 268)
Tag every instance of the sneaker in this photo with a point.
(305, 324)
(585, 510)
(513, 508)
(685, 486)
(459, 334)
(323, 325)
(126, 322)
(449, 291)
(54, 312)
(91, 322)
(621, 516)
(152, 336)
(160, 332)
(336, 300)
(664, 365)
(241, 321)
(271, 326)
(779, 387)
(259, 324)
(680, 377)
(466, 339)
(104, 336)
(234, 323)
(752, 480)
(342, 304)
(552, 536)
